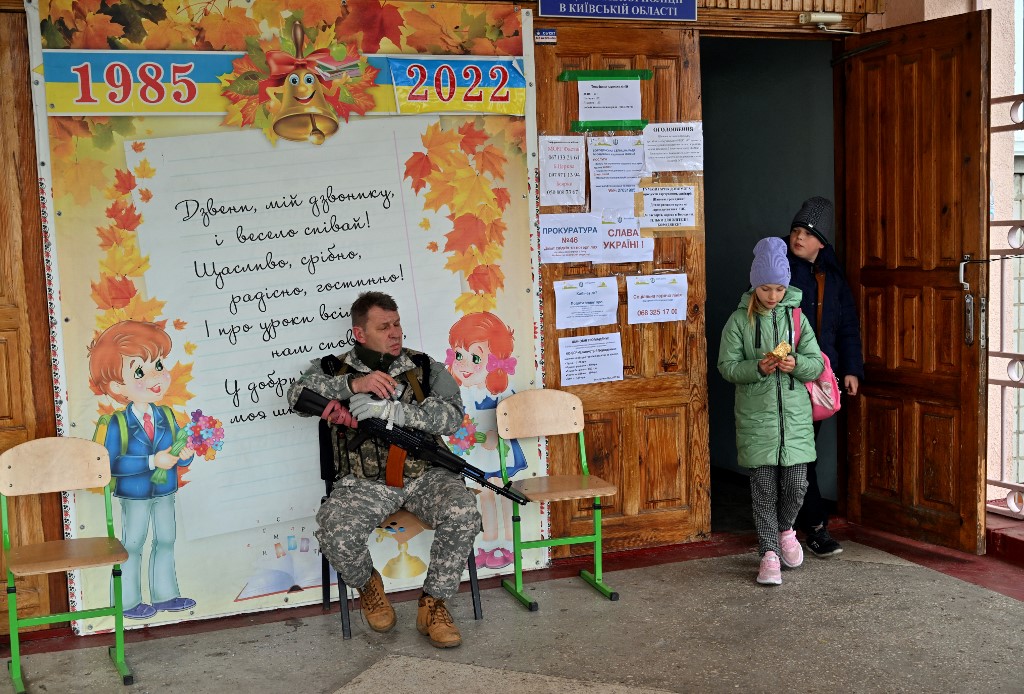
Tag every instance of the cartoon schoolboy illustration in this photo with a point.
(126, 363)
(480, 359)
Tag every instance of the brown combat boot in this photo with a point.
(376, 606)
(435, 622)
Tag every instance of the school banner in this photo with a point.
(219, 183)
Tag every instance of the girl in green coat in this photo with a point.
(774, 430)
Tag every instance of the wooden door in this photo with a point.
(648, 433)
(26, 392)
(915, 165)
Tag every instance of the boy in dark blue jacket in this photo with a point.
(829, 306)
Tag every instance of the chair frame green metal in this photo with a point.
(116, 652)
(594, 578)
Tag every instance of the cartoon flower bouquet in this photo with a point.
(466, 436)
(204, 435)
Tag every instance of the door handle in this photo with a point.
(968, 319)
(968, 303)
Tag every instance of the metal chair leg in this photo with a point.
(325, 582)
(474, 586)
(346, 623)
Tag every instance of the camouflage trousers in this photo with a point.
(357, 506)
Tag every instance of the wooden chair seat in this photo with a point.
(564, 487)
(65, 555)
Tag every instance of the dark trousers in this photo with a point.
(814, 512)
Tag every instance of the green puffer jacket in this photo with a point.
(773, 413)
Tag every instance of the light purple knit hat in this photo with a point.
(770, 266)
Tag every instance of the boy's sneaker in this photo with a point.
(792, 552)
(771, 572)
(822, 544)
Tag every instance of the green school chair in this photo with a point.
(550, 412)
(59, 464)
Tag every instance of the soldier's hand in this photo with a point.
(376, 382)
(364, 406)
(336, 413)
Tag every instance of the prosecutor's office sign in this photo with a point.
(676, 10)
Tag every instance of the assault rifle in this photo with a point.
(413, 441)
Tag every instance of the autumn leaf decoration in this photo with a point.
(116, 292)
(345, 78)
(460, 171)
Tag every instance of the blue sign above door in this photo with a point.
(675, 10)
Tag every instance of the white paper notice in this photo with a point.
(669, 206)
(590, 359)
(616, 164)
(586, 302)
(260, 250)
(569, 238)
(609, 99)
(562, 176)
(621, 242)
(656, 298)
(674, 146)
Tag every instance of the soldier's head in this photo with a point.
(376, 324)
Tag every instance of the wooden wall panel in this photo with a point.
(906, 174)
(24, 325)
(663, 465)
(883, 431)
(603, 437)
(937, 427)
(908, 343)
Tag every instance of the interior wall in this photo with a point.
(768, 127)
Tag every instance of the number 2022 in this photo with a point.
(445, 83)
(151, 90)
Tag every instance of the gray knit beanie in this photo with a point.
(815, 216)
(770, 266)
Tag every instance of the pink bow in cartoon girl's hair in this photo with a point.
(507, 365)
(449, 358)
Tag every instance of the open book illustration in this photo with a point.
(293, 566)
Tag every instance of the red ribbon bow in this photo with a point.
(282, 64)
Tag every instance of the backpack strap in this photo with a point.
(421, 389)
(171, 419)
(819, 276)
(796, 326)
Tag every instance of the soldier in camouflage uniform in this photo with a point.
(375, 383)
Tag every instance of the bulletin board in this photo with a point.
(235, 174)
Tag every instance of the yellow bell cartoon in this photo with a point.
(303, 113)
(402, 526)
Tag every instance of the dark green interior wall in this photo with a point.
(768, 146)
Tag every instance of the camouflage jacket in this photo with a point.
(440, 413)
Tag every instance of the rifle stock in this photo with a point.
(418, 443)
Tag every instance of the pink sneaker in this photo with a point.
(770, 573)
(792, 552)
(500, 558)
(481, 558)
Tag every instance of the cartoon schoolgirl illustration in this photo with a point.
(480, 358)
(126, 362)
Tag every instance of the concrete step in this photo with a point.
(1004, 538)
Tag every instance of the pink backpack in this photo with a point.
(824, 390)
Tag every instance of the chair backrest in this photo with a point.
(543, 412)
(53, 464)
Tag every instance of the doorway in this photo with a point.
(768, 146)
